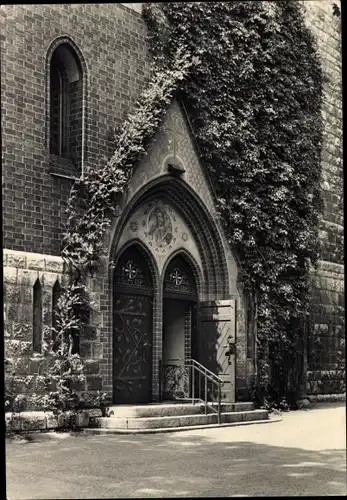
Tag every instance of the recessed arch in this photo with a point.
(186, 256)
(214, 273)
(66, 97)
(132, 272)
(65, 39)
(171, 158)
(37, 316)
(56, 294)
(176, 325)
(179, 332)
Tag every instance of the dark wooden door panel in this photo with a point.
(132, 349)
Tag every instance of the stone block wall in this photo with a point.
(326, 342)
(21, 271)
(325, 349)
(244, 368)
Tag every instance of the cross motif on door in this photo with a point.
(177, 277)
(130, 270)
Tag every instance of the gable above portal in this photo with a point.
(173, 143)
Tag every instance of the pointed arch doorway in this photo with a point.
(132, 328)
(179, 326)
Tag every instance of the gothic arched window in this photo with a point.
(37, 316)
(56, 294)
(66, 101)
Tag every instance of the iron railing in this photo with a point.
(192, 381)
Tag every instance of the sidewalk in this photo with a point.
(304, 454)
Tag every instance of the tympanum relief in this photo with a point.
(162, 229)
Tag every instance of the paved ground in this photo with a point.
(305, 454)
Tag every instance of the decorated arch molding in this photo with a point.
(214, 279)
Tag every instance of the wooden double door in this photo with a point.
(212, 330)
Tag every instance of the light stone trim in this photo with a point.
(33, 261)
(15, 276)
(26, 267)
(326, 398)
(42, 420)
(329, 373)
(330, 267)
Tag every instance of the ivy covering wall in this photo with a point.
(254, 102)
(250, 79)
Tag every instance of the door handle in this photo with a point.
(231, 349)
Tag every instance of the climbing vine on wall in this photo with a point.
(92, 205)
(250, 79)
(254, 102)
(94, 197)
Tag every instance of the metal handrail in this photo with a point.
(194, 367)
(202, 370)
(206, 370)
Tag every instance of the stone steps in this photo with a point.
(177, 420)
(100, 431)
(159, 417)
(232, 407)
(173, 409)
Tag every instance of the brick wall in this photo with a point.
(117, 68)
(326, 353)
